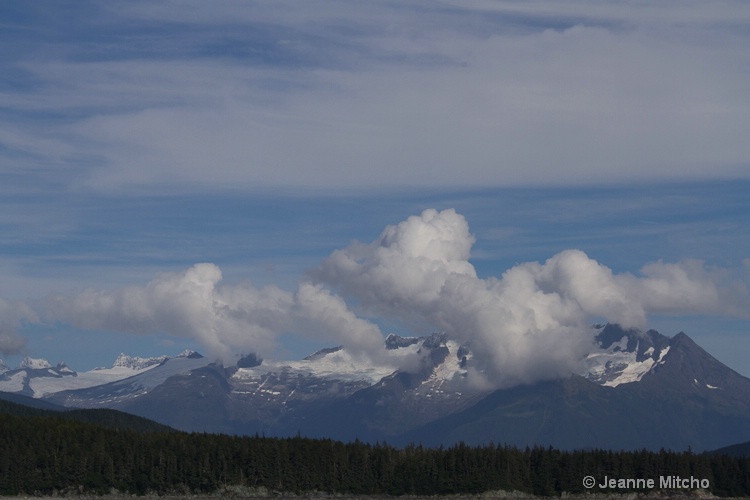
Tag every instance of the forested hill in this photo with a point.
(50, 453)
(737, 450)
(111, 419)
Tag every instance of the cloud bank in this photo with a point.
(12, 316)
(226, 319)
(385, 94)
(530, 323)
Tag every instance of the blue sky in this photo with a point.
(142, 138)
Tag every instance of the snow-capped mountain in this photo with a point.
(34, 364)
(634, 390)
(624, 356)
(30, 372)
(38, 378)
(282, 397)
(638, 391)
(126, 383)
(136, 363)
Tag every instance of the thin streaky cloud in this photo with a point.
(393, 101)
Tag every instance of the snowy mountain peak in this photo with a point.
(136, 363)
(323, 352)
(190, 354)
(64, 369)
(34, 363)
(3, 367)
(624, 356)
(394, 341)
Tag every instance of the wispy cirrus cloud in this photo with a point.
(383, 94)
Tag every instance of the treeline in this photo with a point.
(44, 454)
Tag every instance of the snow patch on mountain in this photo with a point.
(662, 355)
(64, 369)
(633, 371)
(43, 386)
(123, 368)
(623, 357)
(334, 363)
(30, 370)
(451, 367)
(109, 387)
(34, 363)
(14, 383)
(700, 384)
(439, 382)
(188, 353)
(38, 378)
(136, 363)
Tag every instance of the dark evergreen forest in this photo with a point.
(47, 453)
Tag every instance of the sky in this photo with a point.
(277, 177)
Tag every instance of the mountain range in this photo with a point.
(635, 390)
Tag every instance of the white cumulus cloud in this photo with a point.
(530, 323)
(226, 319)
(12, 315)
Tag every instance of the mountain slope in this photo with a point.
(38, 378)
(735, 450)
(30, 372)
(633, 390)
(28, 401)
(624, 356)
(193, 401)
(123, 389)
(287, 398)
(689, 400)
(110, 419)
